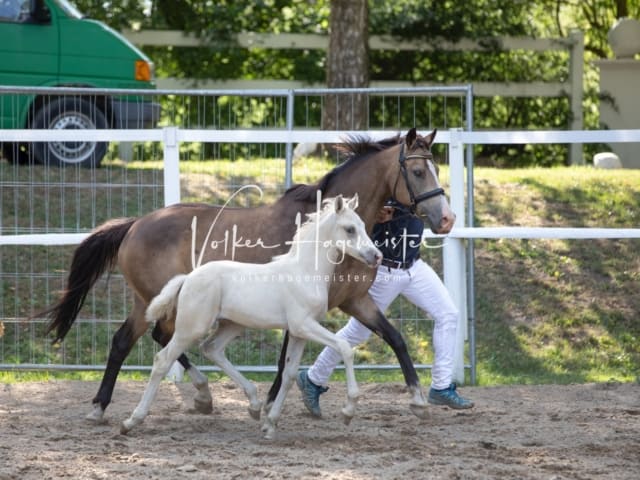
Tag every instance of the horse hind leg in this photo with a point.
(202, 402)
(123, 341)
(214, 347)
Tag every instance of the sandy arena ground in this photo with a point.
(530, 432)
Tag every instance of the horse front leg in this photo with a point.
(293, 355)
(365, 310)
(202, 402)
(214, 347)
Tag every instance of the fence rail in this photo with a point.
(52, 248)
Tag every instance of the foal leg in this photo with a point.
(202, 402)
(161, 365)
(213, 349)
(295, 349)
(312, 330)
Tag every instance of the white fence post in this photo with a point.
(171, 176)
(171, 166)
(453, 252)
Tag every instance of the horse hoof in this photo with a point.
(205, 407)
(255, 412)
(420, 411)
(97, 415)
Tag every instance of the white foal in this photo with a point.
(291, 292)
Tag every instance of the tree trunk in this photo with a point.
(347, 65)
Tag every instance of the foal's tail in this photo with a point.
(96, 254)
(164, 304)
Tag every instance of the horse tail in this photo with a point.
(164, 304)
(277, 382)
(96, 254)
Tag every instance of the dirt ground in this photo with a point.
(526, 432)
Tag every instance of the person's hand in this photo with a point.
(385, 214)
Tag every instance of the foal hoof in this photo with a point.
(346, 419)
(205, 407)
(269, 430)
(255, 411)
(420, 411)
(124, 429)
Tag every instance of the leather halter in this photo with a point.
(415, 199)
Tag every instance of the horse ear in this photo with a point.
(338, 204)
(410, 138)
(431, 137)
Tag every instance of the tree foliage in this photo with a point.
(430, 21)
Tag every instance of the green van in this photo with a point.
(48, 43)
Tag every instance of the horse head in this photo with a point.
(421, 187)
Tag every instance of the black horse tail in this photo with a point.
(96, 254)
(277, 382)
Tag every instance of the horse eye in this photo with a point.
(418, 173)
(350, 230)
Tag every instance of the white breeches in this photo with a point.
(422, 287)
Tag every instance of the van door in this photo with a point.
(29, 55)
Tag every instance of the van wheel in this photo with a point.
(68, 114)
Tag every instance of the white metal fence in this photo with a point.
(46, 211)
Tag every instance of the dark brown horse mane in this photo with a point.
(356, 149)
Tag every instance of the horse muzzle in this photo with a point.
(446, 223)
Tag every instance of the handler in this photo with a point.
(398, 235)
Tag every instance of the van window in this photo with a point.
(70, 9)
(14, 10)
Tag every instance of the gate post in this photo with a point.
(171, 176)
(453, 252)
(171, 172)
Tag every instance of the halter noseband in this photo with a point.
(415, 200)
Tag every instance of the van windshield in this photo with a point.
(69, 9)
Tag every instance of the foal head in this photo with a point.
(348, 234)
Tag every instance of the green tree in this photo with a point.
(429, 21)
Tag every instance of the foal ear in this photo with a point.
(353, 202)
(431, 137)
(410, 138)
(338, 204)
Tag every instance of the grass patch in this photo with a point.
(548, 311)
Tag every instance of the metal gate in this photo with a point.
(227, 139)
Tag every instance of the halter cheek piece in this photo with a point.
(415, 200)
